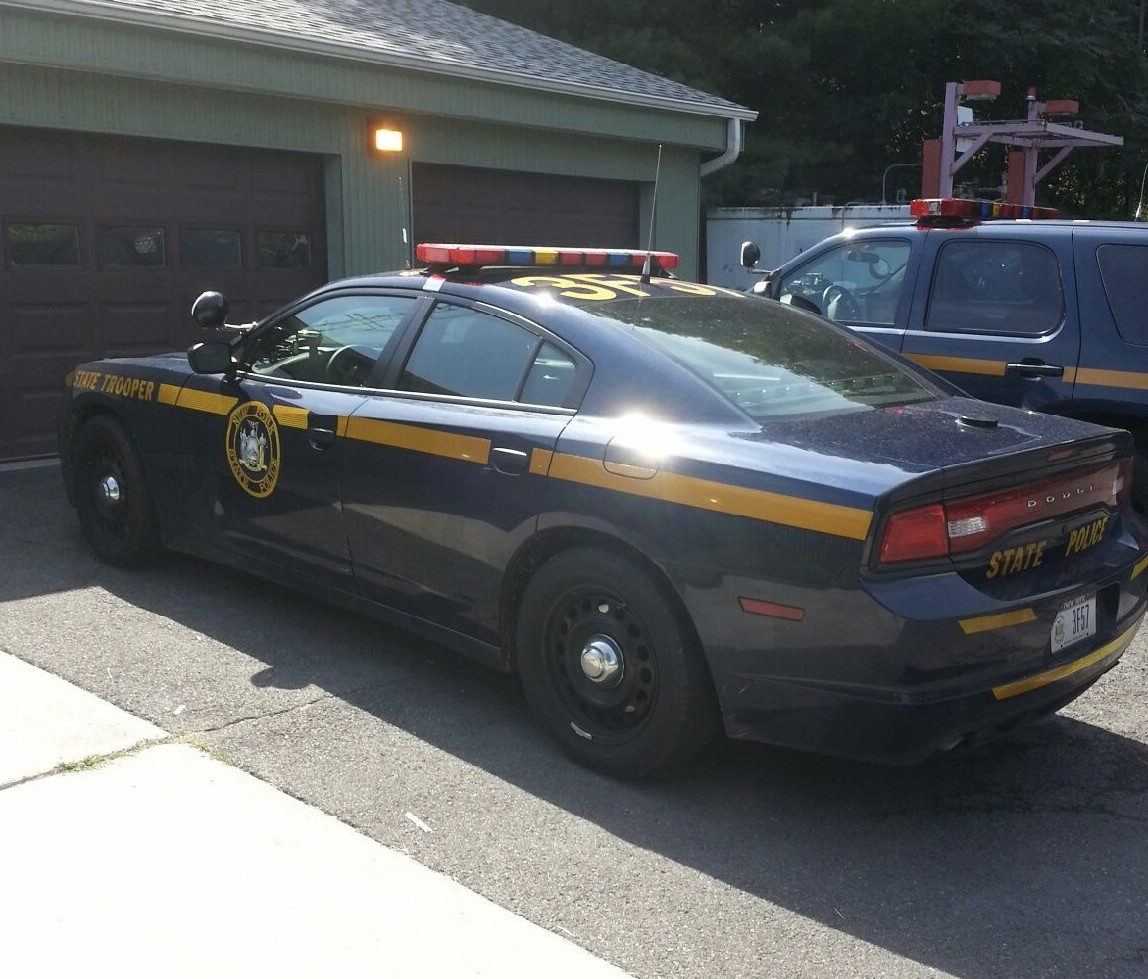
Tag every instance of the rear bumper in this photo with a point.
(902, 727)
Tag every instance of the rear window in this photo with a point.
(769, 359)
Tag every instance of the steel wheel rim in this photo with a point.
(602, 664)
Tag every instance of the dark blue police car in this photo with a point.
(671, 508)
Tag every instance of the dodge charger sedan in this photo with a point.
(674, 510)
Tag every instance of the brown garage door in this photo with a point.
(501, 207)
(106, 241)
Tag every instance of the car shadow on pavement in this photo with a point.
(1026, 857)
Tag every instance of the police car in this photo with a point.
(1014, 304)
(673, 509)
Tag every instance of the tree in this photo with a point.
(845, 88)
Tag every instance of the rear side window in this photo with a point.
(1002, 287)
(468, 353)
(1124, 272)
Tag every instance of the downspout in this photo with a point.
(732, 149)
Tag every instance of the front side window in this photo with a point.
(857, 282)
(1124, 272)
(470, 353)
(999, 287)
(336, 341)
(770, 361)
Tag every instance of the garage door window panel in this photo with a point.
(283, 249)
(1008, 288)
(41, 244)
(338, 341)
(211, 248)
(467, 353)
(131, 247)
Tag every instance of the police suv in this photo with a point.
(1011, 303)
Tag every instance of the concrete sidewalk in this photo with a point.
(124, 854)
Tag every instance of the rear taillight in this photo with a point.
(960, 526)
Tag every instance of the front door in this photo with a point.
(264, 454)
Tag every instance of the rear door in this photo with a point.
(997, 316)
(445, 474)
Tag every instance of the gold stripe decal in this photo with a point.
(466, 448)
(986, 623)
(212, 404)
(1139, 566)
(792, 511)
(540, 461)
(168, 394)
(1007, 690)
(1137, 380)
(961, 365)
(289, 416)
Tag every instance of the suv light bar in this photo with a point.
(974, 210)
(533, 255)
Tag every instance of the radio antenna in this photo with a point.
(406, 222)
(653, 215)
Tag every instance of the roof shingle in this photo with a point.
(430, 34)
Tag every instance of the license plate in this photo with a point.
(1075, 621)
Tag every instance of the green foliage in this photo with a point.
(846, 89)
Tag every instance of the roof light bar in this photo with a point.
(974, 210)
(533, 255)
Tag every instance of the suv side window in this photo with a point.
(470, 353)
(856, 282)
(1124, 272)
(336, 341)
(1001, 287)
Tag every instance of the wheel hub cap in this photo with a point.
(110, 490)
(601, 661)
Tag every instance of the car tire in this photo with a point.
(113, 501)
(611, 668)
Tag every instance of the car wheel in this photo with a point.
(113, 501)
(610, 668)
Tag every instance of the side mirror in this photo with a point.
(750, 254)
(212, 357)
(210, 310)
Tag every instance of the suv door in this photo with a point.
(995, 318)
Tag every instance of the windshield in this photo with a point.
(770, 360)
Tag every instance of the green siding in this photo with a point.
(128, 80)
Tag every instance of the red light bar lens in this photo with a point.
(530, 255)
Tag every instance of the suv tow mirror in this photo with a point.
(750, 254)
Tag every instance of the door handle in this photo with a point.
(321, 430)
(512, 462)
(1035, 368)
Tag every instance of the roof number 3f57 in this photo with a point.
(600, 286)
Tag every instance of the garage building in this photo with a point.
(152, 149)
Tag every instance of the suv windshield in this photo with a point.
(768, 359)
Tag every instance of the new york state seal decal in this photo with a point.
(253, 448)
